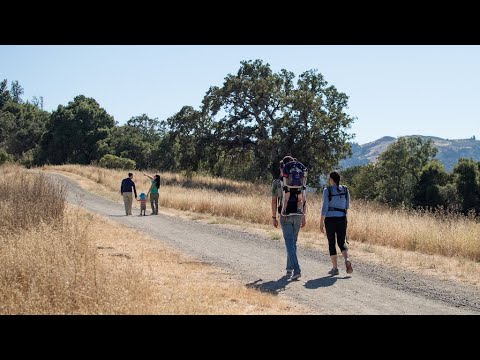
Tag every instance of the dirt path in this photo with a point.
(259, 262)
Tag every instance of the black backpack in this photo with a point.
(291, 205)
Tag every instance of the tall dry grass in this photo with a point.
(444, 234)
(58, 259)
(209, 182)
(48, 261)
(27, 201)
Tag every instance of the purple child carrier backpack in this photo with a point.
(296, 172)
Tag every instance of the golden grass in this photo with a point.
(58, 259)
(444, 234)
(28, 201)
(447, 234)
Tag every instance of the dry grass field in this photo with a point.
(60, 259)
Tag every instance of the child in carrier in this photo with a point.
(294, 173)
(143, 204)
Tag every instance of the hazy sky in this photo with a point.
(394, 90)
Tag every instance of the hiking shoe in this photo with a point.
(295, 276)
(333, 271)
(289, 273)
(348, 264)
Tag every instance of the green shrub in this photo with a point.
(115, 162)
(5, 157)
(27, 159)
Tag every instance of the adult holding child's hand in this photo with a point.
(126, 192)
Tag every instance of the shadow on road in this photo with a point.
(271, 287)
(324, 281)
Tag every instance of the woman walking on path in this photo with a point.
(336, 202)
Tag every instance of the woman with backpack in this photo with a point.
(336, 202)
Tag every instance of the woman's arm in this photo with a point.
(348, 200)
(149, 176)
(150, 189)
(324, 210)
(322, 224)
(324, 203)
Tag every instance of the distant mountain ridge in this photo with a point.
(449, 150)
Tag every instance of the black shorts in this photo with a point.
(295, 191)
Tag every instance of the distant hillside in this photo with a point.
(449, 151)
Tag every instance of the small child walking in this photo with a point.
(143, 204)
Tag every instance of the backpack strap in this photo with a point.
(345, 192)
(337, 209)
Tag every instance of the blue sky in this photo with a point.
(394, 90)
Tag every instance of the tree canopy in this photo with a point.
(262, 116)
